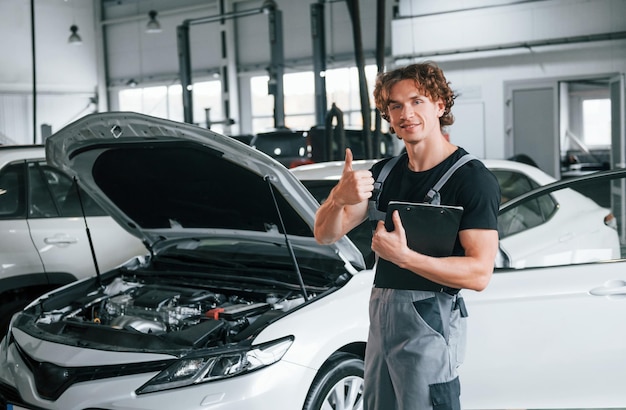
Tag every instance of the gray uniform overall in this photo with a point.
(412, 364)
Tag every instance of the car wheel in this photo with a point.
(338, 385)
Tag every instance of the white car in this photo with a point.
(563, 227)
(549, 336)
(44, 240)
(237, 307)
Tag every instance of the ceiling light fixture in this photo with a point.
(268, 6)
(153, 25)
(74, 37)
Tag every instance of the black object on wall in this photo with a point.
(355, 15)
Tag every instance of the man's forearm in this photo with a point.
(329, 222)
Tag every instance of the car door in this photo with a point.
(18, 255)
(552, 335)
(60, 233)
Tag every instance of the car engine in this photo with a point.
(184, 315)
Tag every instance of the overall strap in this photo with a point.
(373, 212)
(433, 197)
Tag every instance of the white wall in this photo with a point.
(66, 75)
(485, 81)
(480, 76)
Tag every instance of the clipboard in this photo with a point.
(430, 229)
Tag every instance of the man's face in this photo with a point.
(413, 115)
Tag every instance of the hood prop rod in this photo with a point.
(268, 179)
(93, 251)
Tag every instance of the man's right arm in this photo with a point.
(346, 206)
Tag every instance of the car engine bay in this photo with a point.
(182, 315)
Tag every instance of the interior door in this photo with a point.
(618, 150)
(533, 129)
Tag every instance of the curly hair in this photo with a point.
(428, 78)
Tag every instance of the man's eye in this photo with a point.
(395, 107)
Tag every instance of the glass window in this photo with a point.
(175, 103)
(262, 124)
(167, 102)
(300, 122)
(131, 100)
(147, 100)
(513, 184)
(208, 95)
(299, 92)
(262, 102)
(12, 192)
(342, 88)
(339, 88)
(42, 204)
(526, 215)
(597, 122)
(54, 194)
(155, 101)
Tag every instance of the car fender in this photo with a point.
(307, 322)
(29, 280)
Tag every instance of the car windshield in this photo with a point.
(569, 222)
(361, 236)
(513, 183)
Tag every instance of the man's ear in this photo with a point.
(442, 108)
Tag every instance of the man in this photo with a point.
(417, 330)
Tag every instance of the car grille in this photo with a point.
(9, 394)
(52, 380)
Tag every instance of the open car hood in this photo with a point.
(163, 180)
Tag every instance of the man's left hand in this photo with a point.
(392, 245)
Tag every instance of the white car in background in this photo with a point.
(44, 240)
(561, 228)
(237, 306)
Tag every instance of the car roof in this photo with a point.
(11, 153)
(332, 170)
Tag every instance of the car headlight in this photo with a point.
(195, 369)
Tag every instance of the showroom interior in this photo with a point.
(493, 52)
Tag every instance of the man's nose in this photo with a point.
(407, 112)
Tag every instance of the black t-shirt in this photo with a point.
(472, 186)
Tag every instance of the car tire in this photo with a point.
(338, 385)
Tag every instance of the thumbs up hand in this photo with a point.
(347, 166)
(354, 186)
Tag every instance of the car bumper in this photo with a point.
(279, 386)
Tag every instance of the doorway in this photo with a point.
(568, 127)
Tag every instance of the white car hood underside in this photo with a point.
(163, 180)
